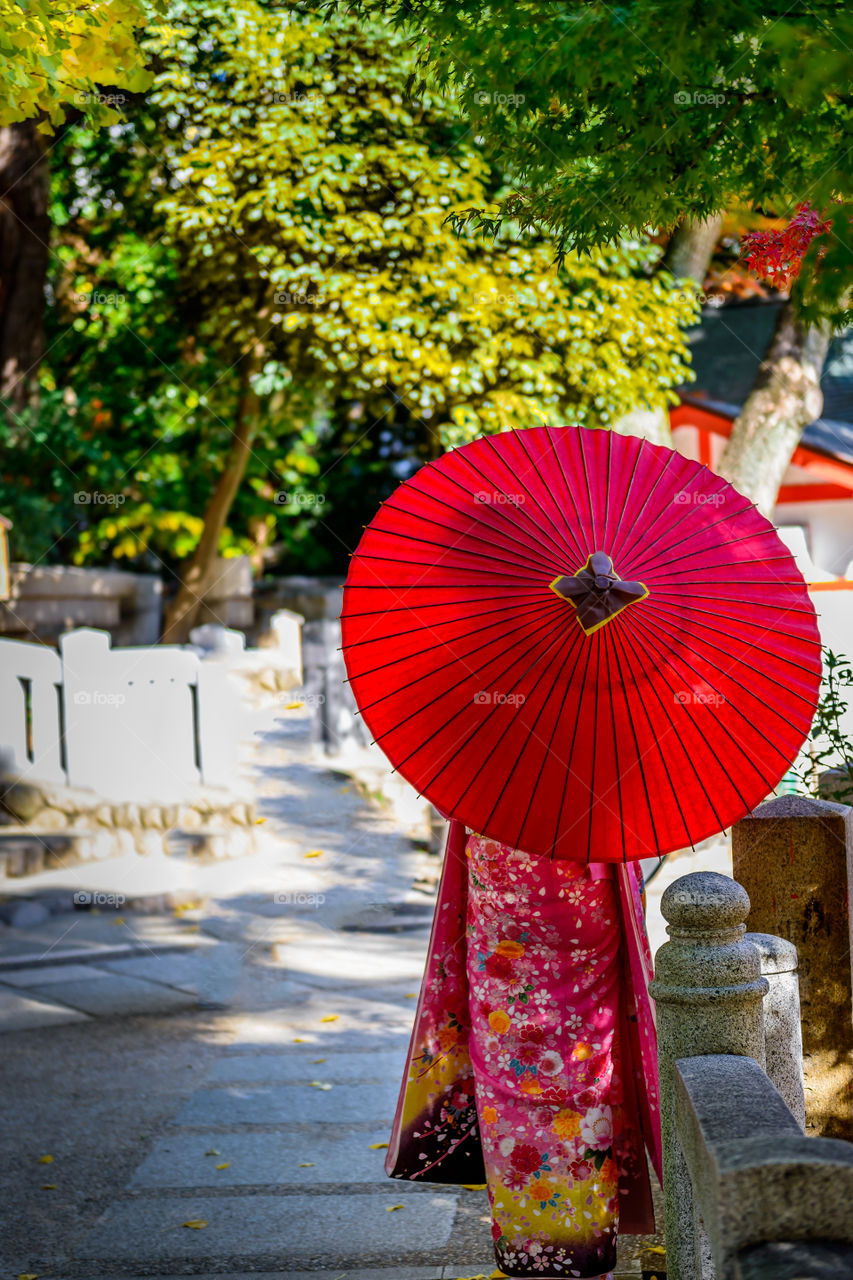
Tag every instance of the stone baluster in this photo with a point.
(794, 857)
(708, 990)
(783, 1038)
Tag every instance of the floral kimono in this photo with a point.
(533, 1064)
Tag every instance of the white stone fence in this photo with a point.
(147, 722)
(747, 1195)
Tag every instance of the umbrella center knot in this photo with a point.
(597, 593)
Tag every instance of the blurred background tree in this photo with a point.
(615, 120)
(261, 319)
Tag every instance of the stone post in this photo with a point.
(794, 857)
(783, 1038)
(708, 990)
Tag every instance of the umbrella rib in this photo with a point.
(567, 528)
(608, 491)
(742, 661)
(644, 531)
(557, 529)
(585, 469)
(547, 751)
(419, 679)
(530, 735)
(444, 546)
(396, 635)
(407, 657)
(462, 568)
(785, 608)
(427, 604)
(606, 639)
(458, 453)
(571, 752)
(535, 528)
(510, 536)
(721, 825)
(728, 675)
(620, 553)
(594, 753)
(726, 519)
(442, 727)
(730, 542)
(554, 441)
(619, 639)
(770, 785)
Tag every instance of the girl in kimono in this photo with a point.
(533, 1063)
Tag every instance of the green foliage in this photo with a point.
(60, 55)
(278, 193)
(830, 747)
(615, 119)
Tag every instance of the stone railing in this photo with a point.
(747, 1195)
(147, 723)
(47, 600)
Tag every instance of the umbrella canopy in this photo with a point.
(580, 644)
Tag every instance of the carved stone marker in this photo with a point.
(793, 857)
(709, 990)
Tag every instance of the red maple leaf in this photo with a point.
(777, 256)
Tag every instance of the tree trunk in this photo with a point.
(24, 254)
(786, 397)
(183, 609)
(687, 256)
(691, 245)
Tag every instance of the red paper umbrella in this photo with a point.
(580, 643)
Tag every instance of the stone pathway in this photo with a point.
(236, 1128)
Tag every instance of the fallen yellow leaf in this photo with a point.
(319, 1084)
(378, 1146)
(307, 1164)
(314, 853)
(392, 1207)
(226, 1165)
(48, 1186)
(473, 1186)
(258, 821)
(28, 1275)
(315, 1061)
(291, 706)
(299, 1040)
(118, 920)
(195, 1224)
(411, 995)
(45, 1159)
(330, 1017)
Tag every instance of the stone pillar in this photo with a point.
(709, 990)
(794, 857)
(783, 1038)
